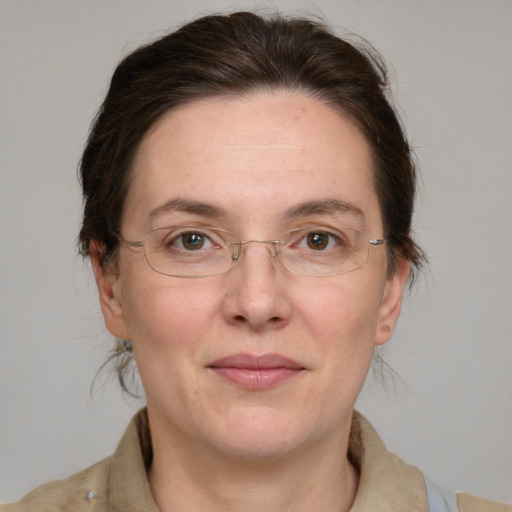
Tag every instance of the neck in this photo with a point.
(195, 479)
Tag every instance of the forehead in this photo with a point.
(258, 154)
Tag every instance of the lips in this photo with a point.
(256, 372)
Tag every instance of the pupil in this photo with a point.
(193, 241)
(317, 241)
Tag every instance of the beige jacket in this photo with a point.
(119, 483)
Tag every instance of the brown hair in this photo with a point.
(238, 54)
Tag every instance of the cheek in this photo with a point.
(342, 311)
(168, 323)
(338, 325)
(341, 319)
(163, 315)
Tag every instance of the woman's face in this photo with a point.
(258, 361)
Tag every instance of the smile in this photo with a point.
(256, 373)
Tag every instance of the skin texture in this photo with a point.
(234, 448)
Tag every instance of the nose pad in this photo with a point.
(272, 247)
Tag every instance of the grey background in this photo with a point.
(451, 413)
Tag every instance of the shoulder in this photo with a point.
(388, 480)
(119, 482)
(469, 503)
(86, 490)
(441, 500)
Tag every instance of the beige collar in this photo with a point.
(386, 483)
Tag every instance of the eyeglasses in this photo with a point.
(192, 251)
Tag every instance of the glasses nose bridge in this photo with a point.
(272, 246)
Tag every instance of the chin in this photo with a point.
(261, 433)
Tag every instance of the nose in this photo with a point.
(257, 297)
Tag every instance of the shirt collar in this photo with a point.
(385, 481)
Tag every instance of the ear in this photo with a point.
(109, 293)
(392, 302)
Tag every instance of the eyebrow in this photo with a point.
(189, 206)
(323, 207)
(328, 206)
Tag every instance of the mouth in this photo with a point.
(256, 373)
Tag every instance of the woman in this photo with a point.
(248, 200)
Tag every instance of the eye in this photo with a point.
(319, 241)
(189, 241)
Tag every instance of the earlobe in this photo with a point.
(108, 289)
(392, 303)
